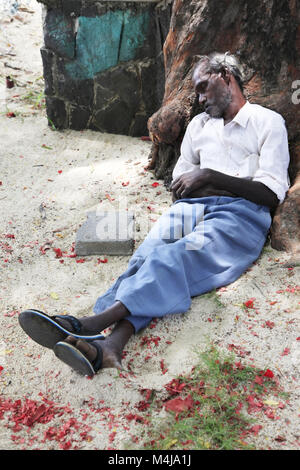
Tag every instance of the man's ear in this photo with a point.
(225, 75)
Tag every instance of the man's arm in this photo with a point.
(203, 182)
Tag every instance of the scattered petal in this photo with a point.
(285, 352)
(268, 373)
(249, 303)
(179, 404)
(255, 429)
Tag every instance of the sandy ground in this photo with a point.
(49, 181)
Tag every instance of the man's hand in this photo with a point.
(191, 181)
(206, 182)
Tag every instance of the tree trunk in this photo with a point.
(265, 34)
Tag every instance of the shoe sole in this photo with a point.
(41, 329)
(45, 331)
(73, 358)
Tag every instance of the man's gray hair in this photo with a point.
(219, 62)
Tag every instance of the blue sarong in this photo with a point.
(198, 245)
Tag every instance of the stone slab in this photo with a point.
(106, 233)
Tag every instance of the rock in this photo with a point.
(78, 117)
(56, 112)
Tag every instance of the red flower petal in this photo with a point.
(270, 413)
(268, 373)
(179, 404)
(249, 303)
(270, 324)
(255, 429)
(58, 252)
(66, 445)
(285, 352)
(259, 380)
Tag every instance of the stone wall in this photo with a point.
(103, 63)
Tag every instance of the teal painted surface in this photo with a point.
(105, 40)
(60, 34)
(135, 28)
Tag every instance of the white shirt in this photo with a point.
(253, 145)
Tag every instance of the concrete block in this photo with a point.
(106, 233)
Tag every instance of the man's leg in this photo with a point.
(234, 233)
(97, 323)
(177, 222)
(216, 253)
(47, 331)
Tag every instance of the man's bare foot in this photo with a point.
(112, 346)
(111, 356)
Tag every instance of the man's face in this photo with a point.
(213, 92)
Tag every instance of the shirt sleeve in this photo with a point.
(274, 158)
(188, 160)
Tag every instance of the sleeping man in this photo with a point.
(231, 173)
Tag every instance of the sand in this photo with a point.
(49, 181)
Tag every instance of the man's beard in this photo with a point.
(218, 106)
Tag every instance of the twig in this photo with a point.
(25, 10)
(257, 287)
(11, 66)
(3, 54)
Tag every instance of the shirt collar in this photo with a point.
(243, 115)
(240, 118)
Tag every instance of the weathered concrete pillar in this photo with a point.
(103, 63)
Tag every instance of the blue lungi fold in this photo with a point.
(197, 245)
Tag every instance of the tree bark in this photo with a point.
(265, 34)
